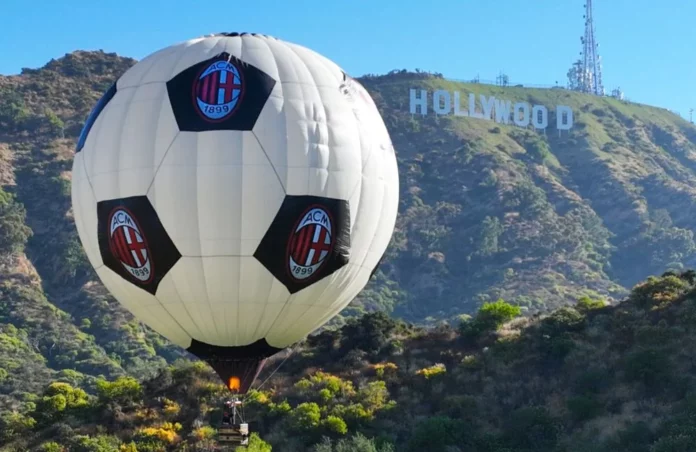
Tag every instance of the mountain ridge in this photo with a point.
(538, 220)
(564, 168)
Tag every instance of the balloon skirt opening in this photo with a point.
(237, 367)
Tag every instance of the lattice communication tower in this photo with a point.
(586, 73)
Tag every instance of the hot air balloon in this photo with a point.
(234, 192)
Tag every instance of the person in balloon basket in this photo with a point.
(227, 413)
(239, 432)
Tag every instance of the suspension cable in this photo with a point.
(273, 373)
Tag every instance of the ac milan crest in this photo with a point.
(218, 90)
(310, 242)
(220, 93)
(128, 244)
(133, 243)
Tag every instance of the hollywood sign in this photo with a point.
(489, 108)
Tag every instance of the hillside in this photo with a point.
(56, 320)
(491, 210)
(487, 211)
(591, 378)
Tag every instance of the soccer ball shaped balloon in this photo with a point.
(235, 192)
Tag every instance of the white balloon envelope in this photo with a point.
(235, 192)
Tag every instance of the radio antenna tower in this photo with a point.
(591, 75)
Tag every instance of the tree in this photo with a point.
(256, 444)
(54, 404)
(436, 433)
(305, 416)
(355, 443)
(532, 428)
(335, 424)
(491, 229)
(99, 443)
(13, 110)
(51, 446)
(490, 317)
(13, 232)
(75, 397)
(369, 332)
(586, 304)
(374, 395)
(124, 391)
(14, 424)
(55, 123)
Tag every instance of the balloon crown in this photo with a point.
(233, 34)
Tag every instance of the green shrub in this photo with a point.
(13, 231)
(438, 433)
(15, 425)
(335, 424)
(648, 366)
(256, 444)
(51, 446)
(355, 443)
(656, 291)
(592, 381)
(678, 443)
(586, 304)
(563, 320)
(124, 391)
(305, 416)
(532, 428)
(99, 443)
(583, 408)
(490, 317)
(635, 437)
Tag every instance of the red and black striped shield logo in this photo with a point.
(129, 245)
(314, 232)
(218, 90)
(311, 243)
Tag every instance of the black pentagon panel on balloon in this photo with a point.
(94, 114)
(221, 93)
(133, 242)
(234, 34)
(308, 240)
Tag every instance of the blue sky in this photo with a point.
(647, 47)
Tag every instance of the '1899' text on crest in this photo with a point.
(311, 243)
(218, 90)
(129, 245)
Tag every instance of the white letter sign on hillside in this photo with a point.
(489, 108)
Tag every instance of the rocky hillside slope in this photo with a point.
(592, 378)
(488, 211)
(540, 219)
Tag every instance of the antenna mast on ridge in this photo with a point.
(586, 73)
(592, 63)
